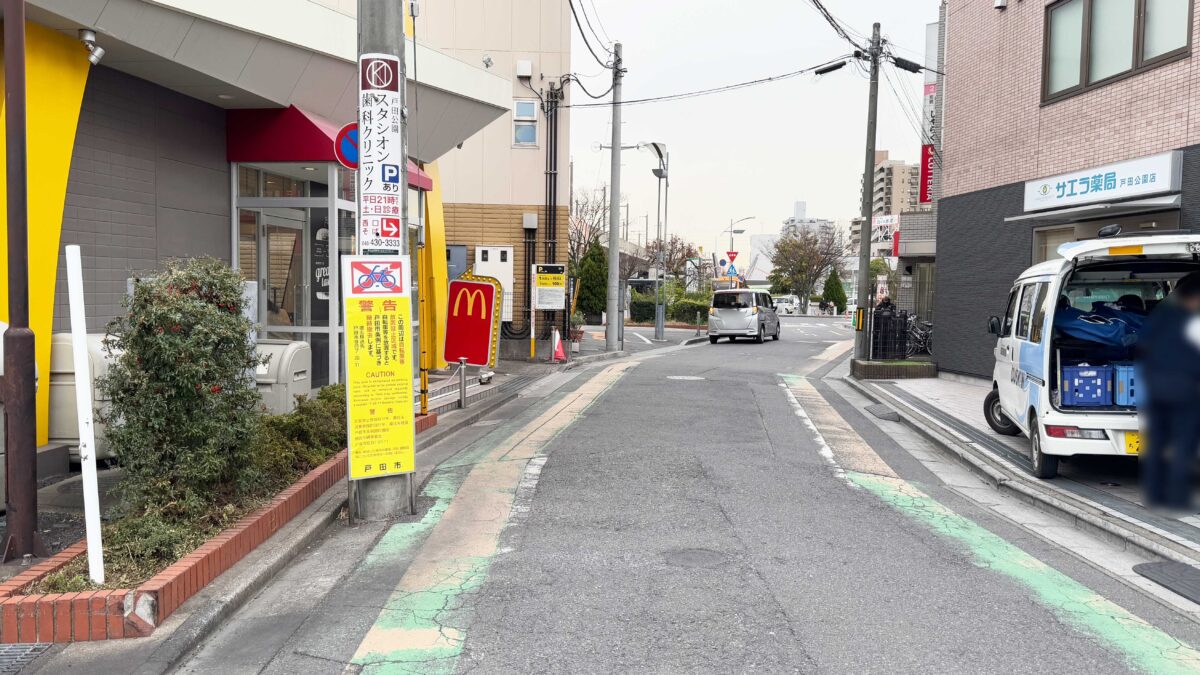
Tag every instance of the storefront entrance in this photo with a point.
(288, 245)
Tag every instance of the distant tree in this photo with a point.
(833, 291)
(588, 223)
(800, 258)
(882, 275)
(676, 253)
(593, 280)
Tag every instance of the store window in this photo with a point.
(525, 122)
(1091, 42)
(1047, 241)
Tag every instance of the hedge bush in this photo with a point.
(641, 308)
(183, 400)
(685, 311)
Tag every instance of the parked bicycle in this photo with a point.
(920, 337)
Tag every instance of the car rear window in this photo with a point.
(732, 300)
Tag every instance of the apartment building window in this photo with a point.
(525, 122)
(1089, 43)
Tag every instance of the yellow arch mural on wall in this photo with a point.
(56, 70)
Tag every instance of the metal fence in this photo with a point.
(889, 335)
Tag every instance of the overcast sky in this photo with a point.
(753, 151)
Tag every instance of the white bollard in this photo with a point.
(83, 408)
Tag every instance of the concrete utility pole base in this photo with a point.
(383, 499)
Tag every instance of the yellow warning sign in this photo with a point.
(379, 365)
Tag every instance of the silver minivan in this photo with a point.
(742, 313)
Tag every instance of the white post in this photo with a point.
(83, 409)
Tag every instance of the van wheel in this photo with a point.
(996, 418)
(732, 339)
(1044, 466)
(712, 339)
(778, 330)
(761, 335)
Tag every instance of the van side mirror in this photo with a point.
(994, 326)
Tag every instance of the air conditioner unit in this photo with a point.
(1001, 4)
(524, 68)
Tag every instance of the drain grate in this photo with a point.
(14, 658)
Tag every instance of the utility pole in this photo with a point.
(863, 337)
(381, 31)
(616, 313)
(18, 391)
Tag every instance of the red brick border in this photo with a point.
(121, 613)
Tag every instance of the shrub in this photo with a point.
(641, 307)
(686, 310)
(833, 291)
(183, 400)
(593, 280)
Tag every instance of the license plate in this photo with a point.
(1133, 442)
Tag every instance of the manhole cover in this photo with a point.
(695, 557)
(14, 658)
(684, 377)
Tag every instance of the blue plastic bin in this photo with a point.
(1087, 386)
(1125, 384)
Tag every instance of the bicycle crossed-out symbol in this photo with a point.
(379, 274)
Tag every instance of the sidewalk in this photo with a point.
(1098, 493)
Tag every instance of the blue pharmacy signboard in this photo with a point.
(1140, 177)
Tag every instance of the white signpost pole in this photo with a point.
(83, 409)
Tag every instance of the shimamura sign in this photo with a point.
(1121, 180)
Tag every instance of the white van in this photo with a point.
(1064, 375)
(786, 304)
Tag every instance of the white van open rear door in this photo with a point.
(1162, 246)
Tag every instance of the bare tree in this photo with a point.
(801, 258)
(588, 223)
(676, 253)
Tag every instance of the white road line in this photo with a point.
(641, 337)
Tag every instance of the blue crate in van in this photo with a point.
(1090, 386)
(1126, 384)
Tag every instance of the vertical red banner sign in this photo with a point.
(927, 159)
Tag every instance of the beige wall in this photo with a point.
(500, 225)
(996, 130)
(489, 169)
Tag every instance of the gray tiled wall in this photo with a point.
(149, 181)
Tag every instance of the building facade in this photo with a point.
(1061, 117)
(895, 186)
(207, 129)
(496, 182)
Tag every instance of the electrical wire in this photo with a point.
(600, 22)
(588, 21)
(572, 77)
(713, 90)
(579, 25)
(914, 120)
(836, 24)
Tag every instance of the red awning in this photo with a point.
(290, 135)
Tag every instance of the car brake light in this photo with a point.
(1076, 433)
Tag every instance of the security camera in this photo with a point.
(487, 61)
(95, 52)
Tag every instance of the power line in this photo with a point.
(588, 21)
(599, 21)
(574, 78)
(713, 90)
(914, 120)
(583, 35)
(836, 24)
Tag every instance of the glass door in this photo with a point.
(284, 260)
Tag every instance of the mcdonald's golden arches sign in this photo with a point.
(473, 320)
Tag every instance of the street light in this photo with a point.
(662, 174)
(732, 231)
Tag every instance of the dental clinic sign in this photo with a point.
(1141, 177)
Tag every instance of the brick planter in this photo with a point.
(122, 613)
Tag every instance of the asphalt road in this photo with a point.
(713, 508)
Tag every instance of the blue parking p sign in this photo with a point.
(391, 173)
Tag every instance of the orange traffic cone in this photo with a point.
(559, 354)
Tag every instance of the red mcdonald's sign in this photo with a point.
(472, 321)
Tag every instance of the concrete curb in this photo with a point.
(579, 361)
(1081, 513)
(693, 340)
(293, 539)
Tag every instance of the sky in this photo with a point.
(753, 151)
